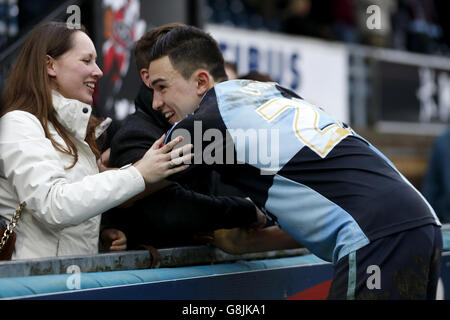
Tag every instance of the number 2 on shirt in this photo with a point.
(306, 124)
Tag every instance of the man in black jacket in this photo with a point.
(174, 214)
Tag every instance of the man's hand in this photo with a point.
(114, 240)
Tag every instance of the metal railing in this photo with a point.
(134, 260)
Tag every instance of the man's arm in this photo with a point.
(241, 240)
(176, 215)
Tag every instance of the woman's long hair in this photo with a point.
(28, 84)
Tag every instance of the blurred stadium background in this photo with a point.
(391, 84)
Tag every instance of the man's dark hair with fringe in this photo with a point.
(143, 47)
(190, 48)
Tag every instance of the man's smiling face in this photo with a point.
(174, 96)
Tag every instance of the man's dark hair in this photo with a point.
(143, 46)
(190, 48)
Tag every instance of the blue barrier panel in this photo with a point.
(143, 284)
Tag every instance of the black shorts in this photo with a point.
(405, 265)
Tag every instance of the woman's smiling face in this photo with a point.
(75, 73)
